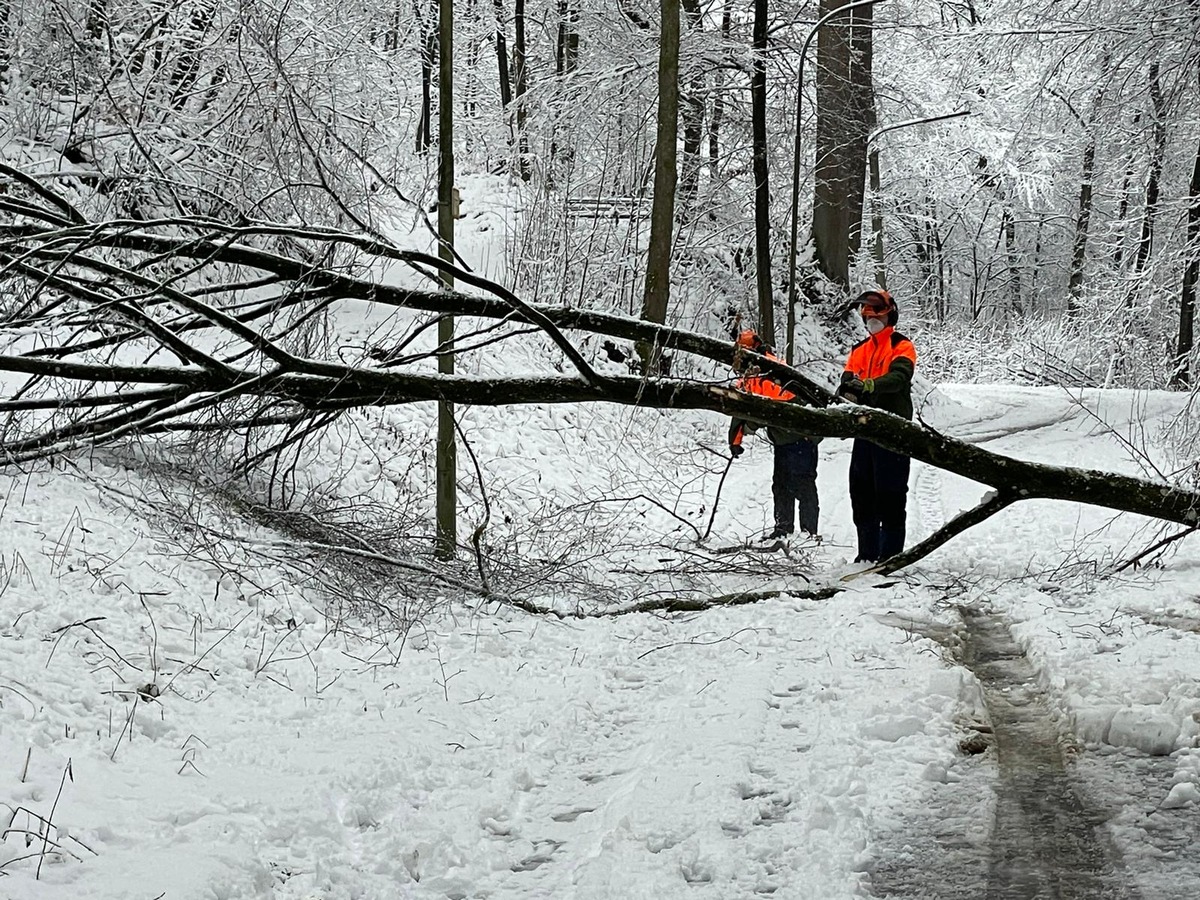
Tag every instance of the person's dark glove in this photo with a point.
(736, 450)
(851, 389)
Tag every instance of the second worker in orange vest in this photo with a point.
(794, 481)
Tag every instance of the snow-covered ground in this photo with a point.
(772, 748)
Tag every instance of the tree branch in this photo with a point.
(992, 503)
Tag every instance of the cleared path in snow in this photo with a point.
(1046, 840)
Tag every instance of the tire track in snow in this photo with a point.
(1044, 841)
(930, 512)
(1048, 840)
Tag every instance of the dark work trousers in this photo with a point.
(795, 481)
(878, 499)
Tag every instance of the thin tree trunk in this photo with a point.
(1083, 216)
(692, 113)
(1082, 220)
(718, 111)
(96, 22)
(662, 213)
(1123, 207)
(6, 43)
(862, 52)
(446, 452)
(188, 69)
(1009, 227)
(939, 257)
(428, 37)
(520, 89)
(1157, 156)
(470, 86)
(566, 58)
(876, 221)
(762, 190)
(391, 38)
(874, 133)
(504, 80)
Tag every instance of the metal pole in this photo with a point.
(873, 163)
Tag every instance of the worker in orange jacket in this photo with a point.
(879, 373)
(794, 480)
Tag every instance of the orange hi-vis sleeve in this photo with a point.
(760, 386)
(763, 386)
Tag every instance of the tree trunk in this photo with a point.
(862, 55)
(1082, 220)
(692, 113)
(566, 59)
(520, 89)
(446, 453)
(1158, 154)
(877, 221)
(566, 47)
(120, 398)
(662, 213)
(187, 70)
(6, 44)
(718, 110)
(762, 191)
(1008, 225)
(1191, 274)
(469, 87)
(1123, 207)
(504, 80)
(391, 37)
(151, 37)
(843, 88)
(428, 37)
(96, 22)
(1083, 216)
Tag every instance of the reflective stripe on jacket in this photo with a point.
(889, 359)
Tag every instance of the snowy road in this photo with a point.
(786, 748)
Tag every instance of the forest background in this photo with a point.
(213, 182)
(1060, 194)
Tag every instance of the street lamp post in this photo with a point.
(873, 164)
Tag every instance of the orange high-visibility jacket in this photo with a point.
(885, 362)
(762, 386)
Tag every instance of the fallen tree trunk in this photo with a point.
(333, 387)
(87, 393)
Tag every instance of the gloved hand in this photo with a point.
(851, 389)
(736, 450)
(868, 385)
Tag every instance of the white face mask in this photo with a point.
(874, 326)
